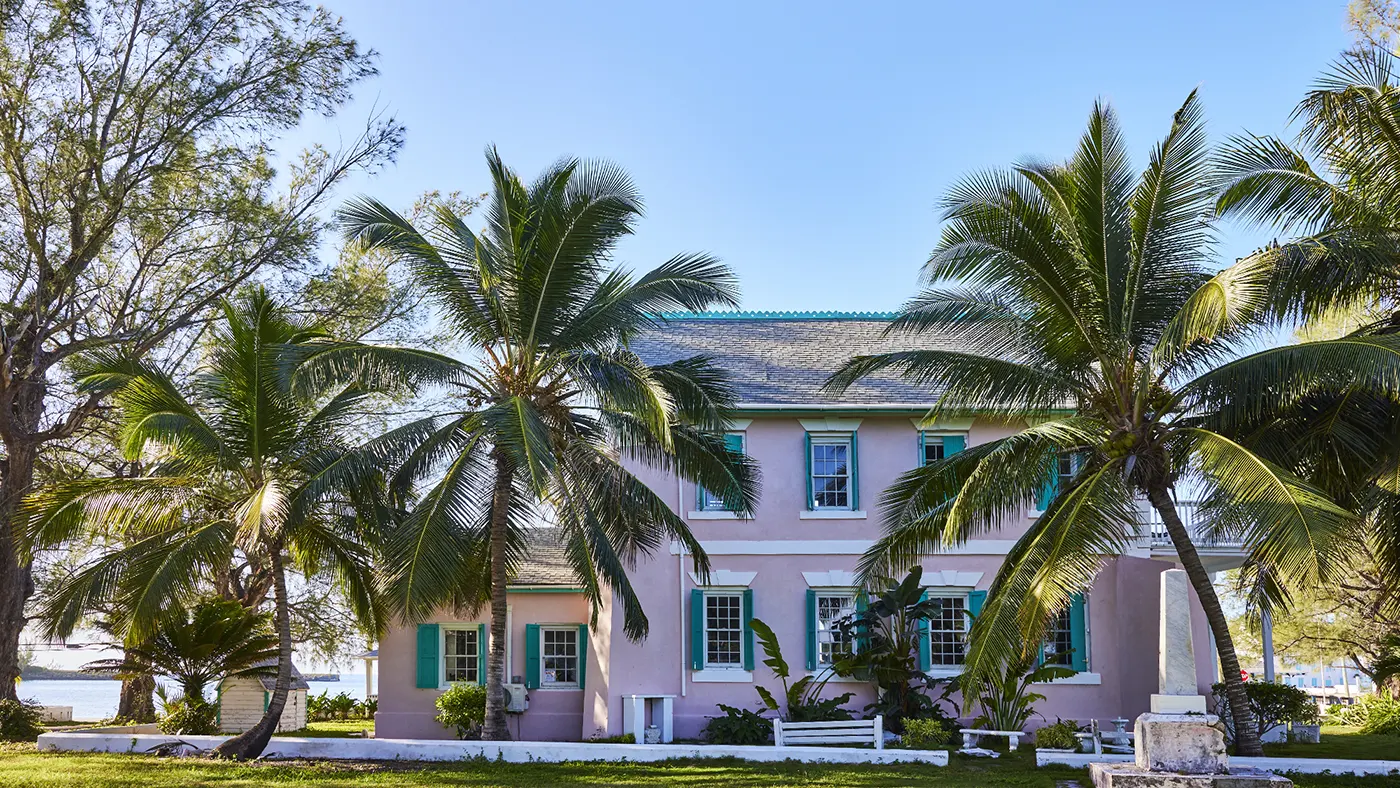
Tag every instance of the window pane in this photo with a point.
(948, 631)
(559, 652)
(710, 502)
(832, 644)
(460, 655)
(933, 449)
(1059, 642)
(723, 630)
(831, 474)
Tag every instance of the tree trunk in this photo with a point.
(16, 577)
(137, 704)
(1246, 727)
(495, 727)
(252, 742)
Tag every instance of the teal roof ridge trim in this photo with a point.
(794, 315)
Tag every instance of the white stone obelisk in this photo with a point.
(1177, 692)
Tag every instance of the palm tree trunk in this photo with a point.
(252, 742)
(1246, 727)
(495, 727)
(137, 703)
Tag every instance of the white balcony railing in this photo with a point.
(1191, 517)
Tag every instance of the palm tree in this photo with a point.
(551, 400)
(217, 640)
(250, 463)
(1083, 303)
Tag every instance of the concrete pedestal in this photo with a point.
(1182, 743)
(1122, 775)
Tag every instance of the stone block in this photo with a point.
(1178, 704)
(1122, 775)
(1184, 743)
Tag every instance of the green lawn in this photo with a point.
(1339, 741)
(332, 729)
(23, 767)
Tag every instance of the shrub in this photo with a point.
(623, 738)
(738, 727)
(1372, 714)
(20, 720)
(463, 707)
(1273, 704)
(1006, 701)
(189, 717)
(927, 734)
(1059, 736)
(803, 697)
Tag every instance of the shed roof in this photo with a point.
(545, 564)
(269, 683)
(784, 358)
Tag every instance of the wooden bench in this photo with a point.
(793, 734)
(970, 736)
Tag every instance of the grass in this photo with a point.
(21, 766)
(332, 729)
(1340, 741)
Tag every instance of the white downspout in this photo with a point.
(680, 581)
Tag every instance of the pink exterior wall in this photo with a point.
(778, 546)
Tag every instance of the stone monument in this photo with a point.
(1177, 744)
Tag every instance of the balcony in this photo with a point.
(1190, 514)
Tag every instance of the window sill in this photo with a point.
(559, 688)
(711, 514)
(1085, 678)
(943, 673)
(831, 514)
(722, 676)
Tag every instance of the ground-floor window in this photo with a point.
(461, 655)
(947, 631)
(724, 622)
(832, 643)
(559, 654)
(1059, 642)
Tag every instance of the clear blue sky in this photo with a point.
(807, 143)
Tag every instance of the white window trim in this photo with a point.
(1087, 677)
(723, 581)
(851, 591)
(845, 438)
(722, 676)
(952, 578)
(948, 671)
(460, 626)
(706, 667)
(719, 513)
(833, 580)
(578, 655)
(943, 426)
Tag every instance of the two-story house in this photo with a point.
(825, 463)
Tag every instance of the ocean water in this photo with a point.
(97, 699)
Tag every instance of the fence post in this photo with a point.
(777, 733)
(879, 731)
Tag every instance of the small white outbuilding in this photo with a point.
(243, 699)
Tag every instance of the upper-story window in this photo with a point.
(708, 501)
(831, 470)
(934, 447)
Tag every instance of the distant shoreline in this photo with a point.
(37, 673)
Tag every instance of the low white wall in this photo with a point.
(512, 751)
(56, 714)
(1277, 765)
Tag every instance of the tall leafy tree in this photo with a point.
(551, 401)
(1079, 297)
(136, 190)
(250, 463)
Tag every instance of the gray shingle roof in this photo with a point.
(545, 564)
(270, 682)
(784, 358)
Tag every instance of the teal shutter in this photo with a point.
(953, 444)
(428, 641)
(974, 602)
(811, 629)
(532, 656)
(697, 629)
(807, 463)
(747, 611)
(855, 473)
(923, 452)
(734, 442)
(1078, 634)
(582, 654)
(862, 602)
(481, 655)
(1050, 488)
(925, 642)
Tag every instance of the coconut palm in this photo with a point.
(248, 463)
(1082, 302)
(550, 400)
(218, 639)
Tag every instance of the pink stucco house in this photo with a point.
(825, 463)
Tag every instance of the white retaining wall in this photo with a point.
(1277, 765)
(512, 751)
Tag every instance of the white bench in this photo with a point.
(970, 736)
(793, 734)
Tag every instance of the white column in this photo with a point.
(1266, 627)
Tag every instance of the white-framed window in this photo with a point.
(461, 654)
(832, 643)
(933, 448)
(559, 655)
(1059, 641)
(831, 471)
(947, 630)
(724, 629)
(708, 501)
(1064, 471)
